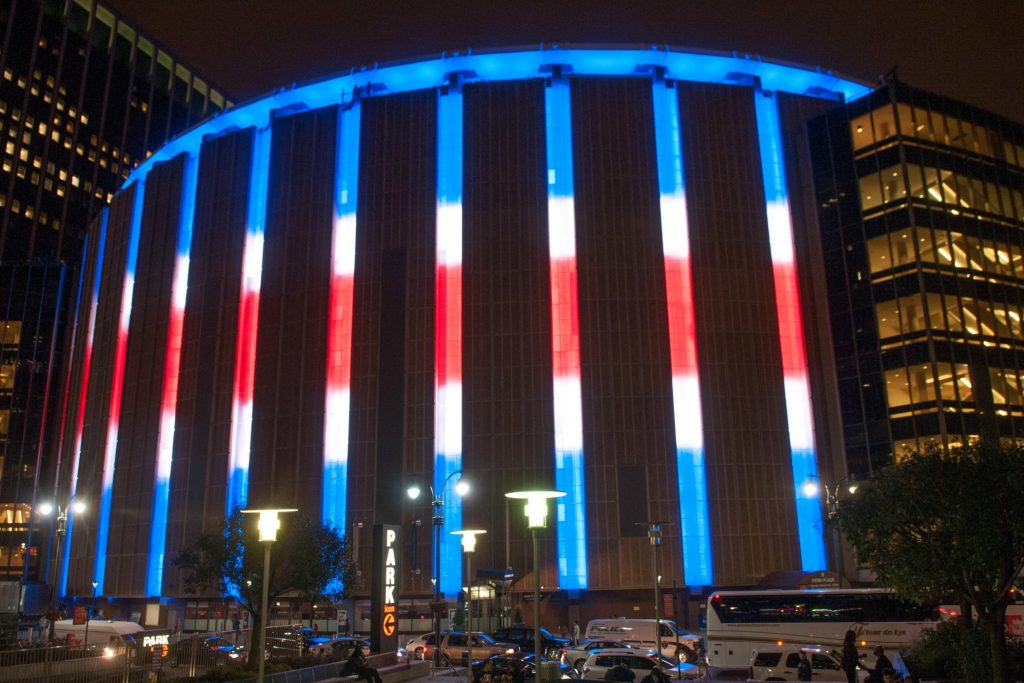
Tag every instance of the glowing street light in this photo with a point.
(468, 547)
(536, 510)
(268, 524)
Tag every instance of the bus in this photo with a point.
(738, 620)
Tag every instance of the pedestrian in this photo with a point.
(621, 673)
(356, 666)
(803, 668)
(575, 632)
(850, 658)
(882, 666)
(656, 676)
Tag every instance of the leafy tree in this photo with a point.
(937, 524)
(309, 558)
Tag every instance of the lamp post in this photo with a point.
(536, 515)
(268, 524)
(468, 546)
(437, 518)
(812, 488)
(74, 507)
(88, 614)
(654, 533)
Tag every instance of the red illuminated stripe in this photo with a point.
(564, 318)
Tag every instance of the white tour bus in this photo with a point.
(739, 620)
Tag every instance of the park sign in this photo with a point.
(384, 603)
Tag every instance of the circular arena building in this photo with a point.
(590, 270)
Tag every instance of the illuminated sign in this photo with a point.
(384, 605)
(161, 639)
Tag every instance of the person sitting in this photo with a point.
(356, 665)
(485, 674)
(656, 676)
(620, 672)
(882, 666)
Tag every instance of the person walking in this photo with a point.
(575, 632)
(803, 668)
(850, 658)
(356, 665)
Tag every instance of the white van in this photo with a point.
(101, 632)
(779, 662)
(644, 633)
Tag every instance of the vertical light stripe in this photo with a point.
(565, 340)
(791, 336)
(172, 364)
(448, 330)
(339, 318)
(694, 524)
(83, 393)
(117, 388)
(240, 447)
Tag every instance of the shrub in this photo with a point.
(952, 653)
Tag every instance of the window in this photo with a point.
(768, 659)
(5, 422)
(6, 379)
(1006, 387)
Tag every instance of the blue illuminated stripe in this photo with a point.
(516, 65)
(117, 387)
(695, 527)
(448, 354)
(176, 321)
(62, 581)
(343, 252)
(791, 338)
(568, 411)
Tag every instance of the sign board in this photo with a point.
(384, 602)
(342, 617)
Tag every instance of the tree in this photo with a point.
(938, 524)
(310, 559)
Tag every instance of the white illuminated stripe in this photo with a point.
(163, 460)
(689, 429)
(568, 415)
(252, 262)
(126, 302)
(109, 453)
(241, 438)
(561, 228)
(344, 258)
(798, 411)
(336, 439)
(674, 226)
(449, 419)
(449, 234)
(180, 290)
(780, 231)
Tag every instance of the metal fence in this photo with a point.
(142, 661)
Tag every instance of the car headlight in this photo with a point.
(510, 650)
(108, 652)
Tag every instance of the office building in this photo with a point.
(84, 98)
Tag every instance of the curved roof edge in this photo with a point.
(505, 64)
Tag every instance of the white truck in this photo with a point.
(644, 633)
(100, 632)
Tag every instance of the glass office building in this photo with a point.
(921, 204)
(84, 98)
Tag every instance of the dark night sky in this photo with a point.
(973, 51)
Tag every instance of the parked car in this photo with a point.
(339, 647)
(204, 651)
(576, 655)
(503, 664)
(643, 633)
(641, 662)
(522, 635)
(773, 662)
(459, 646)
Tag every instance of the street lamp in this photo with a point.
(536, 515)
(654, 533)
(468, 546)
(812, 489)
(268, 524)
(437, 517)
(74, 507)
